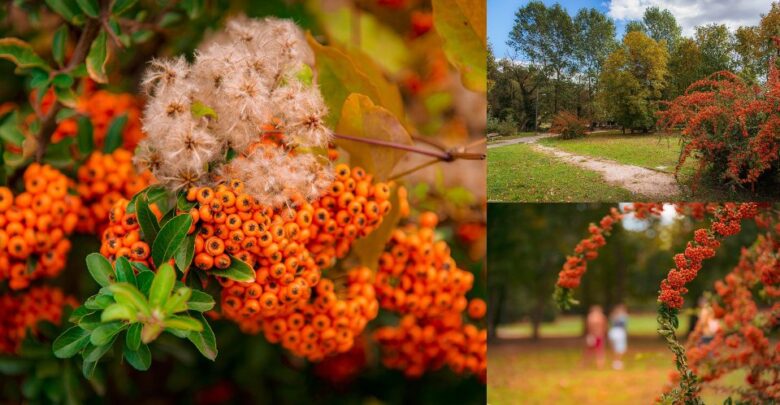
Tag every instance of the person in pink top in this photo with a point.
(596, 331)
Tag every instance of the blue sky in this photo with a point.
(689, 14)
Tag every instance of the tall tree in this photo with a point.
(595, 40)
(685, 67)
(717, 47)
(635, 26)
(749, 62)
(662, 26)
(546, 36)
(633, 80)
(769, 29)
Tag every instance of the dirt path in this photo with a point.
(648, 183)
(527, 139)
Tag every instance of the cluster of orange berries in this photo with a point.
(418, 345)
(287, 248)
(328, 324)
(122, 236)
(18, 314)
(102, 107)
(103, 180)
(418, 278)
(34, 226)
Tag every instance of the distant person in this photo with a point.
(596, 326)
(618, 334)
(707, 322)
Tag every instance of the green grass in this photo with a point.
(652, 151)
(658, 151)
(553, 372)
(571, 326)
(518, 173)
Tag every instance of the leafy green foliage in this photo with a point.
(22, 54)
(141, 314)
(97, 59)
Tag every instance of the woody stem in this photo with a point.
(445, 156)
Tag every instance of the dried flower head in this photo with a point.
(251, 81)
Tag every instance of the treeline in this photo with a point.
(575, 64)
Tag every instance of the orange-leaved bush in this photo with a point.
(568, 125)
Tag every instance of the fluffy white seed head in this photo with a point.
(242, 80)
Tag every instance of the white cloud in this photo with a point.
(691, 13)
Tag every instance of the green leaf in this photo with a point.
(170, 18)
(62, 80)
(9, 130)
(145, 281)
(120, 6)
(64, 114)
(22, 54)
(146, 219)
(239, 270)
(58, 44)
(361, 118)
(124, 271)
(68, 9)
(104, 334)
(100, 269)
(199, 110)
(94, 353)
(70, 342)
(98, 301)
(192, 7)
(200, 301)
(133, 337)
(66, 96)
(461, 24)
(128, 295)
(185, 253)
(169, 238)
(178, 301)
(205, 341)
(90, 322)
(114, 134)
(185, 323)
(118, 312)
(140, 359)
(340, 75)
(79, 313)
(162, 285)
(98, 58)
(89, 7)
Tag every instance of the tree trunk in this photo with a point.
(496, 311)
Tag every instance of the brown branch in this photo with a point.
(445, 156)
(49, 123)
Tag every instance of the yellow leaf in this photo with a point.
(360, 117)
(462, 25)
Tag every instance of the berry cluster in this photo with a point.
(34, 226)
(18, 314)
(418, 278)
(706, 241)
(122, 236)
(105, 179)
(102, 107)
(327, 324)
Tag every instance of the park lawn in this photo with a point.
(552, 372)
(644, 325)
(659, 151)
(518, 173)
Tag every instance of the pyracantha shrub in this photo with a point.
(568, 125)
(746, 300)
(249, 93)
(729, 125)
(35, 225)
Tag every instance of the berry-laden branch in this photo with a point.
(49, 123)
(443, 155)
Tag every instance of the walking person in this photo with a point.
(618, 334)
(596, 330)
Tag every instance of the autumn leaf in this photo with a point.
(462, 26)
(360, 117)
